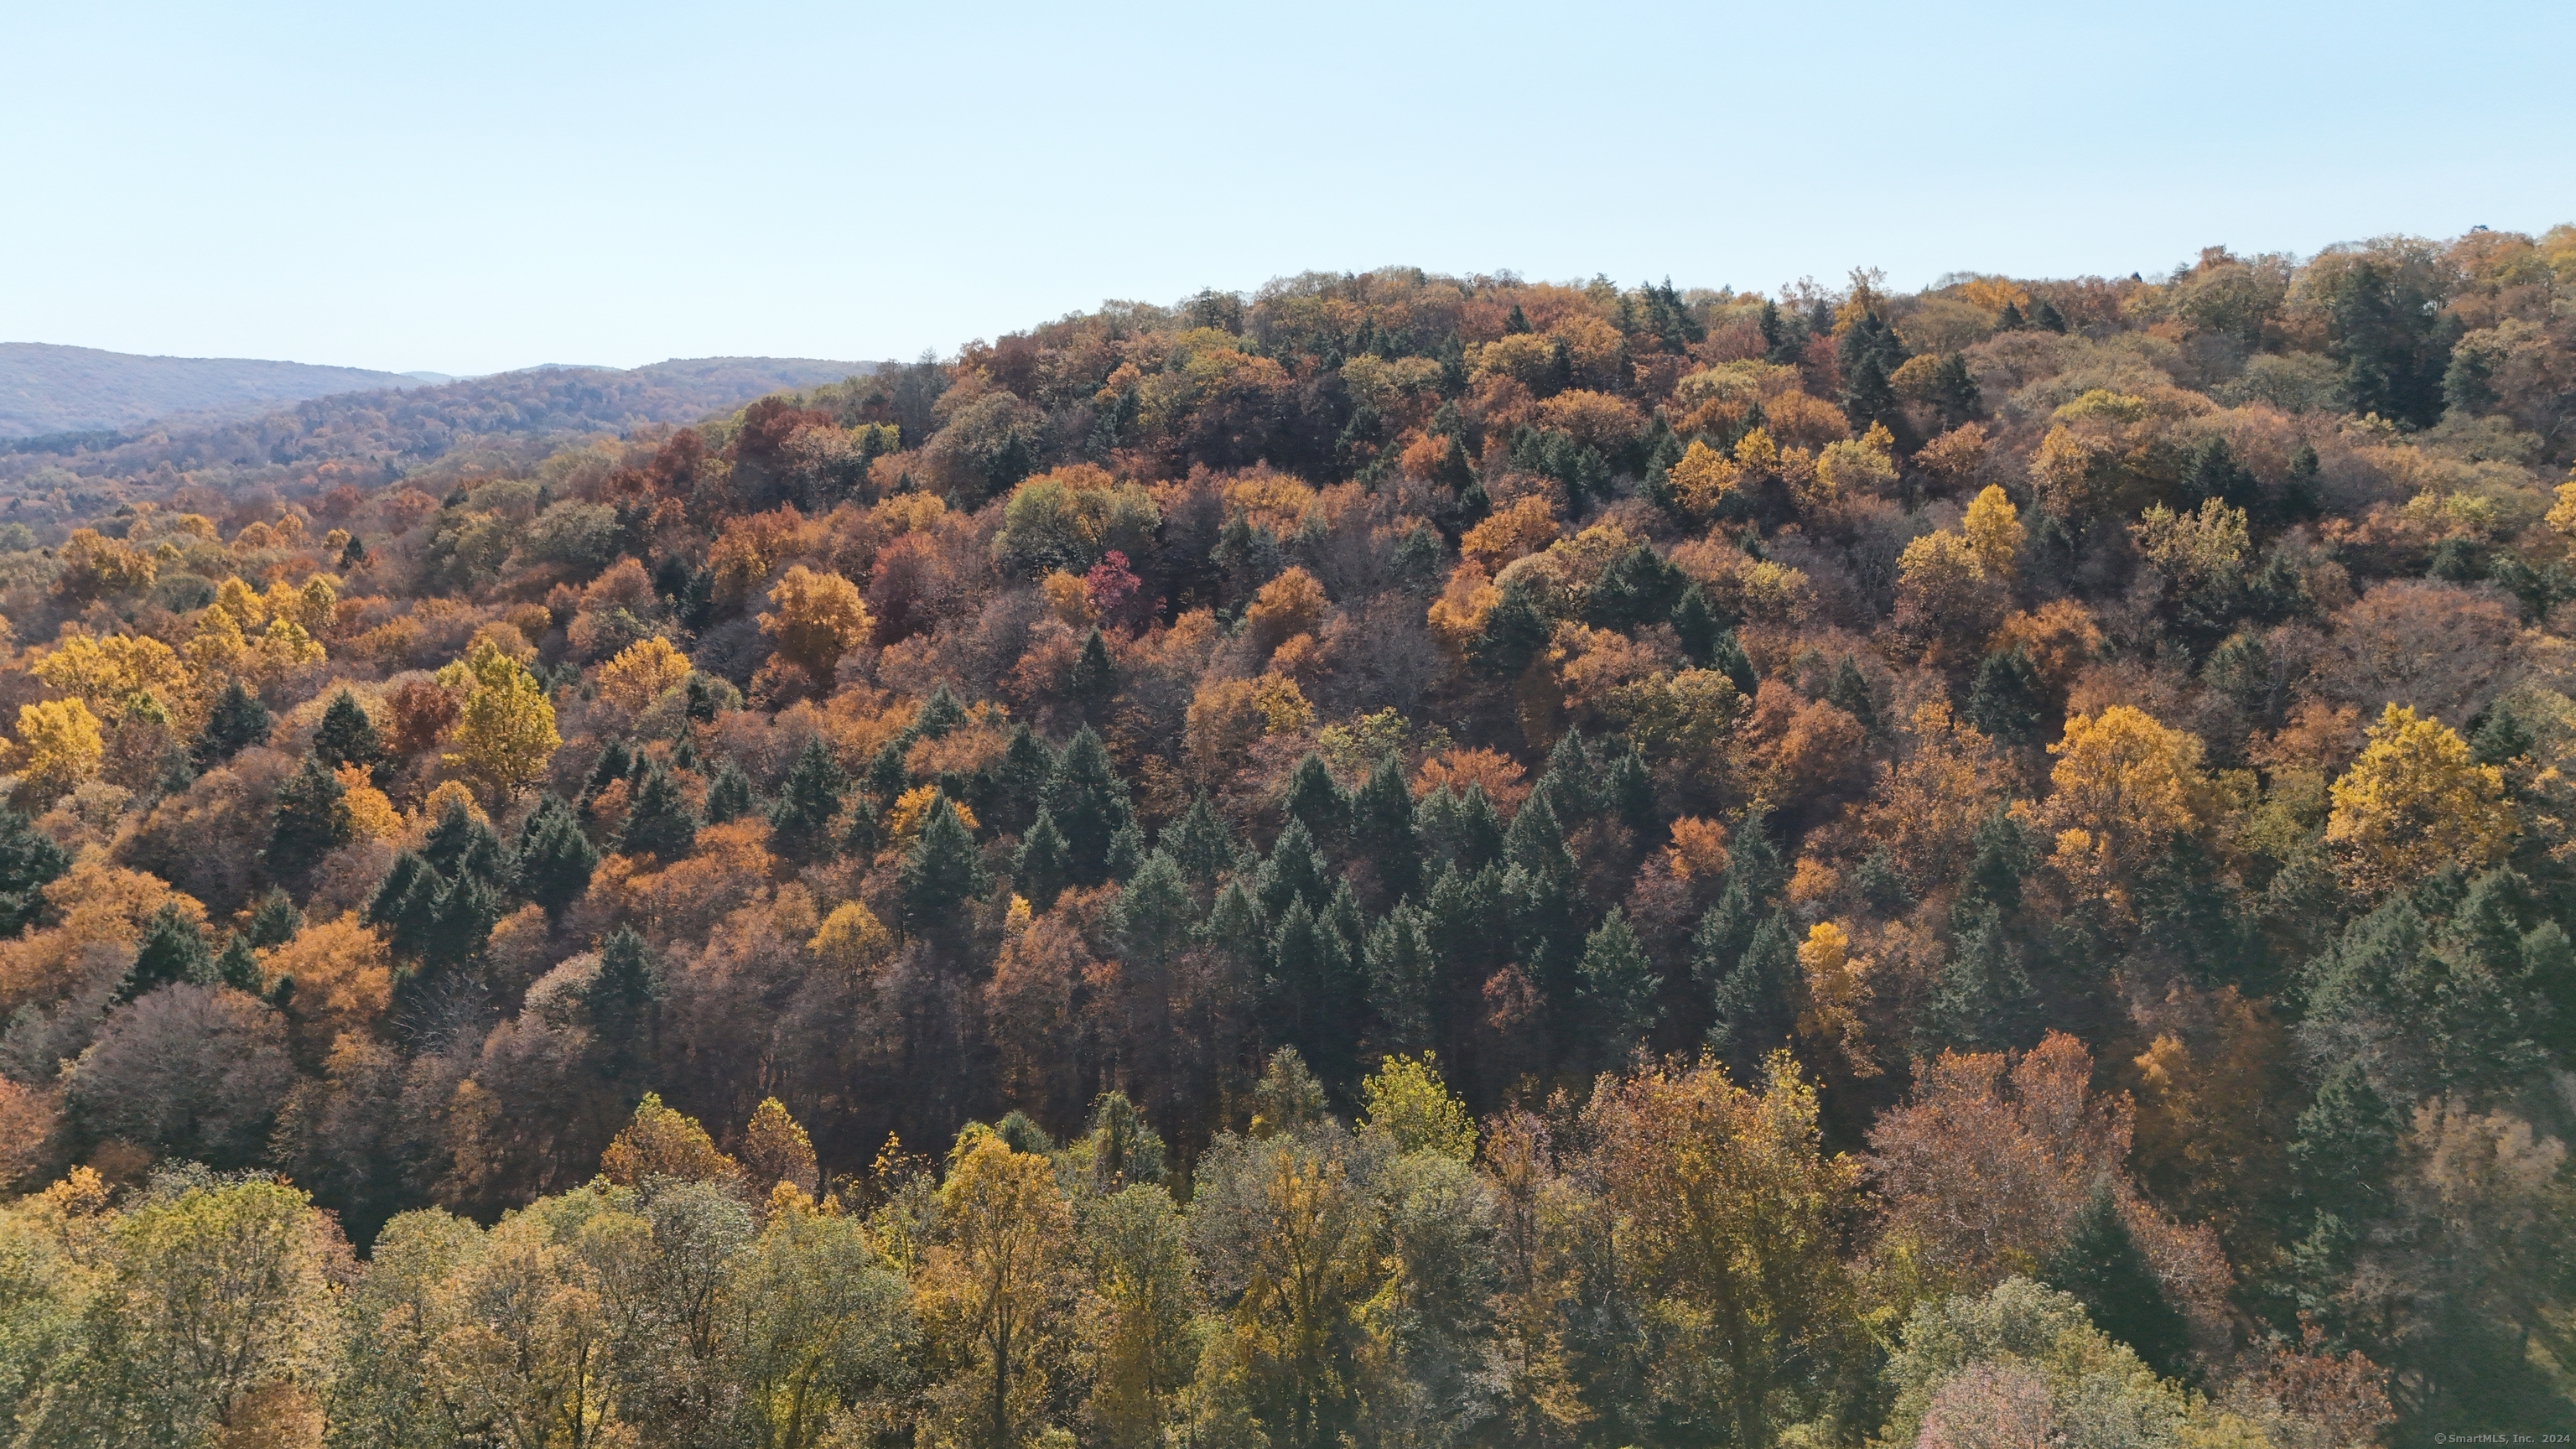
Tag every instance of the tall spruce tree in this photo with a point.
(1383, 831)
(237, 721)
(729, 795)
(347, 736)
(1618, 991)
(1091, 806)
(1042, 871)
(310, 820)
(29, 861)
(943, 872)
(1316, 799)
(800, 824)
(1754, 1008)
(2100, 1264)
(171, 951)
(658, 822)
(276, 921)
(555, 859)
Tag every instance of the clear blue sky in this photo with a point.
(468, 187)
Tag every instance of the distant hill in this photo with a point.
(49, 389)
(387, 431)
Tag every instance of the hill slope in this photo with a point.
(46, 388)
(391, 431)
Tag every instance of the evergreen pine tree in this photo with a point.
(1983, 1000)
(1514, 633)
(2006, 701)
(276, 921)
(401, 904)
(1294, 872)
(169, 952)
(1459, 915)
(1727, 657)
(614, 764)
(1517, 323)
(729, 795)
(555, 859)
(1309, 987)
(1754, 1008)
(1954, 391)
(2045, 314)
(1849, 693)
(943, 872)
(2211, 472)
(2101, 1266)
(347, 736)
(1617, 992)
(2343, 1155)
(2010, 319)
(1544, 897)
(1235, 928)
(1697, 626)
(1629, 795)
(1042, 871)
(1090, 804)
(237, 721)
(238, 968)
(1155, 911)
(1343, 915)
(1881, 885)
(1316, 799)
(800, 824)
(1465, 830)
(886, 772)
(1383, 832)
(1201, 844)
(311, 819)
(1637, 588)
(461, 921)
(1567, 781)
(621, 1001)
(1093, 681)
(460, 844)
(865, 833)
(1019, 779)
(940, 713)
(658, 822)
(29, 861)
(1402, 972)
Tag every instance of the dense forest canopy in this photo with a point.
(1395, 860)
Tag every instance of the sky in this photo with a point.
(471, 187)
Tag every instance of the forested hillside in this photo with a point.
(46, 389)
(511, 420)
(1395, 860)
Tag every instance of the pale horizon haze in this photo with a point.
(477, 187)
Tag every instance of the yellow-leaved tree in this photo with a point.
(58, 747)
(819, 617)
(991, 1283)
(2126, 785)
(2414, 802)
(505, 732)
(641, 672)
(1994, 530)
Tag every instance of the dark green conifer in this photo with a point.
(554, 859)
(1156, 912)
(1201, 844)
(311, 819)
(729, 795)
(1849, 693)
(276, 921)
(1093, 682)
(1019, 779)
(658, 822)
(800, 824)
(1402, 974)
(1042, 872)
(238, 968)
(1091, 806)
(2006, 702)
(1515, 631)
(943, 872)
(1294, 872)
(1316, 798)
(864, 833)
(1629, 795)
(29, 861)
(347, 736)
(1383, 832)
(237, 721)
(2100, 1264)
(622, 1000)
(1309, 990)
(614, 764)
(1754, 1008)
(170, 952)
(1617, 991)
